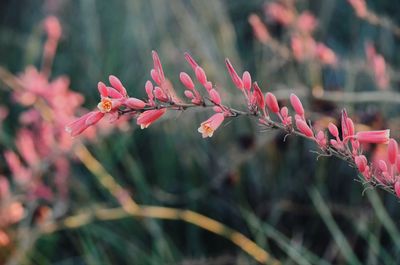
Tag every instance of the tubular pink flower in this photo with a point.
(259, 29)
(397, 188)
(102, 89)
(78, 126)
(325, 54)
(306, 22)
(155, 76)
(345, 130)
(191, 61)
(94, 118)
(373, 137)
(208, 127)
(158, 66)
(350, 126)
(296, 104)
(108, 104)
(208, 85)
(235, 77)
(4, 239)
(272, 103)
(214, 96)
(285, 111)
(321, 139)
(360, 7)
(149, 89)
(201, 75)
(398, 163)
(286, 119)
(259, 96)
(382, 165)
(25, 143)
(149, 116)
(117, 84)
(134, 103)
(113, 93)
(361, 162)
(246, 80)
(189, 94)
(392, 151)
(279, 13)
(160, 94)
(53, 27)
(304, 128)
(4, 187)
(333, 130)
(186, 80)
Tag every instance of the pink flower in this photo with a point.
(279, 13)
(158, 67)
(362, 165)
(392, 151)
(191, 61)
(52, 27)
(78, 126)
(117, 84)
(304, 128)
(134, 103)
(259, 29)
(361, 162)
(208, 127)
(214, 96)
(258, 97)
(149, 116)
(333, 130)
(306, 22)
(271, 102)
(4, 239)
(201, 75)
(321, 139)
(235, 77)
(377, 137)
(360, 7)
(4, 187)
(186, 80)
(246, 80)
(325, 54)
(296, 104)
(397, 188)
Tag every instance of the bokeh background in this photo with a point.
(299, 209)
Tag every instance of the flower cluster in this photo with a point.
(38, 162)
(345, 142)
(303, 47)
(301, 28)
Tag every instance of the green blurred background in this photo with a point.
(300, 210)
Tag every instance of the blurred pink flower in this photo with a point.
(378, 64)
(260, 30)
(325, 54)
(4, 239)
(279, 13)
(306, 23)
(360, 7)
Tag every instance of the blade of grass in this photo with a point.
(340, 239)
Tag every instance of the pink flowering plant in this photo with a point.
(344, 143)
(53, 148)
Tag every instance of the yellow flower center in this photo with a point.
(206, 130)
(105, 105)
